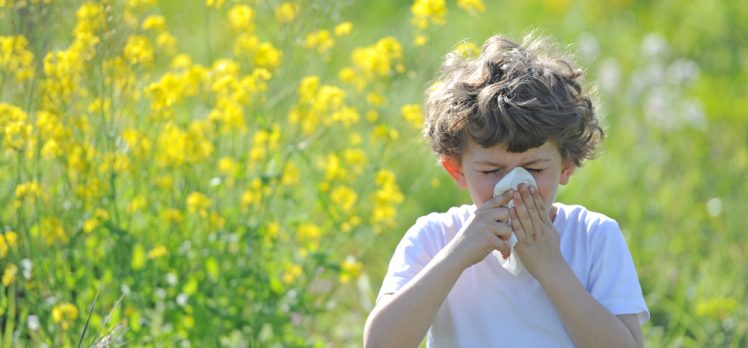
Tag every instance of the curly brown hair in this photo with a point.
(519, 96)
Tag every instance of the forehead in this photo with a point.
(499, 154)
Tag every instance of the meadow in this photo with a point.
(238, 173)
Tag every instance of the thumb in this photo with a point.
(499, 200)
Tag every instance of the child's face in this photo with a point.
(481, 168)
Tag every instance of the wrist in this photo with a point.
(554, 274)
(452, 259)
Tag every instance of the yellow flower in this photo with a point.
(471, 6)
(240, 18)
(267, 56)
(99, 105)
(167, 42)
(309, 235)
(425, 11)
(137, 142)
(348, 225)
(14, 129)
(291, 273)
(217, 4)
(172, 146)
(172, 215)
(230, 115)
(164, 182)
(62, 70)
(350, 269)
(9, 276)
(154, 22)
(350, 76)
(379, 60)
(412, 113)
(356, 139)
(52, 231)
(356, 159)
(271, 230)
(286, 12)
(197, 201)
(28, 191)
(246, 43)
(319, 102)
(386, 199)
(228, 166)
(7, 241)
(308, 88)
(15, 58)
(138, 50)
(333, 168)
(346, 115)
(157, 252)
(421, 40)
(64, 314)
(138, 203)
(344, 197)
(95, 221)
(375, 99)
(385, 133)
(90, 18)
(90, 225)
(320, 40)
(291, 175)
(132, 4)
(467, 49)
(263, 143)
(343, 29)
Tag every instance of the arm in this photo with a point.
(402, 319)
(413, 308)
(587, 321)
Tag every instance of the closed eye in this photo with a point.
(534, 171)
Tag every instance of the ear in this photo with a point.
(454, 168)
(567, 169)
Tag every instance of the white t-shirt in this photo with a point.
(490, 307)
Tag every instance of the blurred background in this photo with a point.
(238, 173)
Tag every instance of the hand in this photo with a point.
(487, 230)
(538, 242)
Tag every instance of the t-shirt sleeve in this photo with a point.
(418, 246)
(613, 280)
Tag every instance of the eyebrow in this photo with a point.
(499, 165)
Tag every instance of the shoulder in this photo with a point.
(580, 218)
(454, 217)
(600, 233)
(436, 229)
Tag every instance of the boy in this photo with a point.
(512, 106)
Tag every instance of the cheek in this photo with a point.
(482, 188)
(546, 188)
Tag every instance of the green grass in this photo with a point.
(672, 171)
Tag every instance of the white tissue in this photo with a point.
(511, 181)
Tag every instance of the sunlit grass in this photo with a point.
(238, 173)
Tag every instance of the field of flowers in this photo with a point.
(237, 173)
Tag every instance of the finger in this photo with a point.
(532, 206)
(500, 214)
(519, 232)
(503, 232)
(505, 249)
(521, 200)
(540, 205)
(498, 201)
